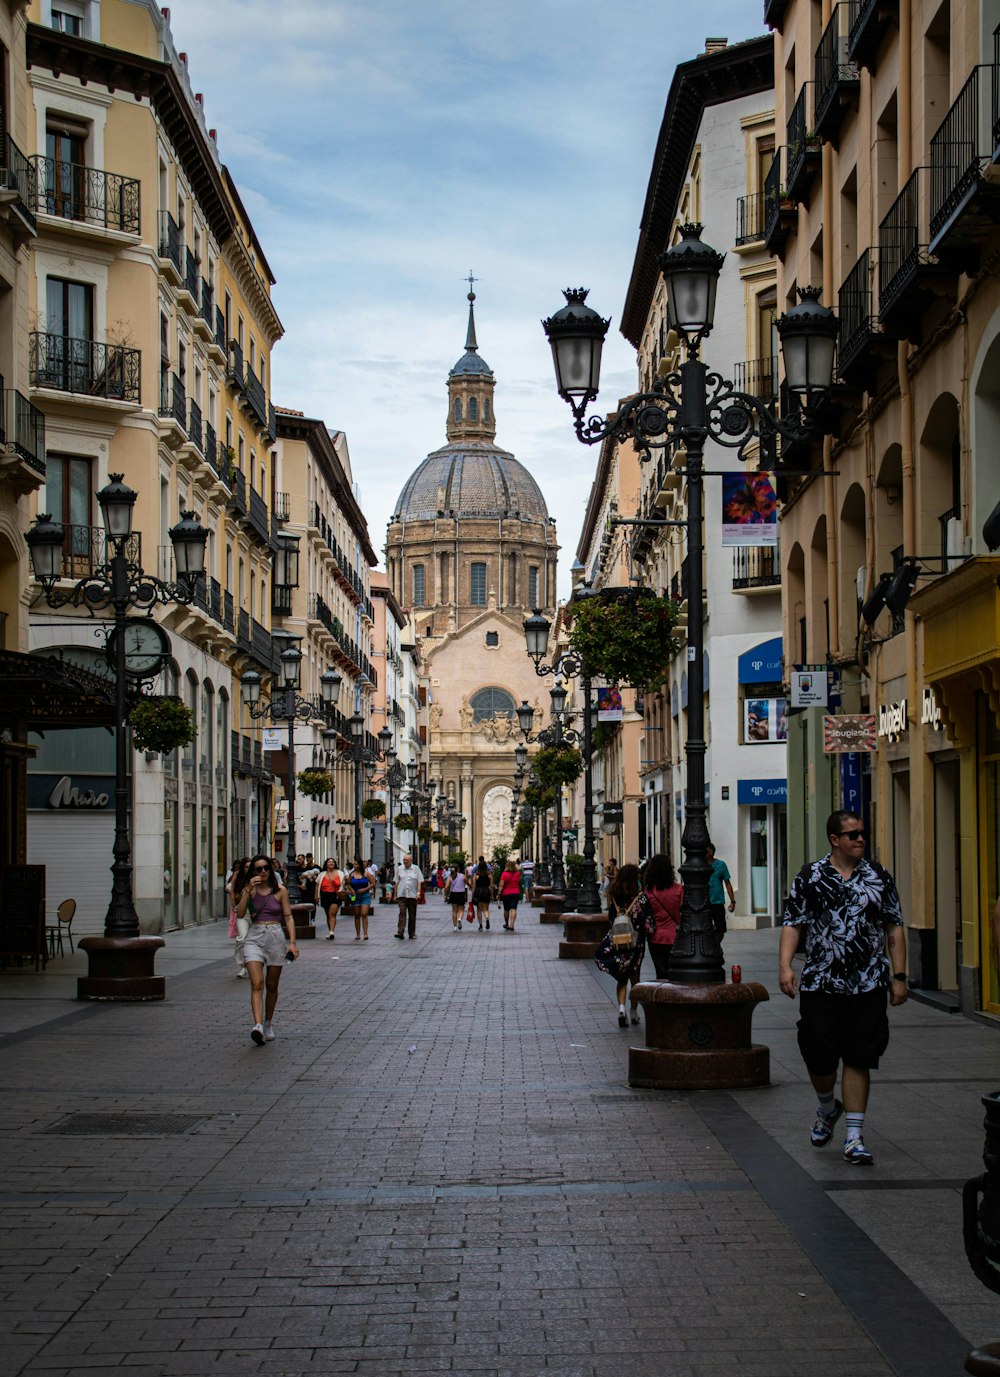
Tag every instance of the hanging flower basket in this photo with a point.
(537, 797)
(314, 783)
(372, 809)
(522, 834)
(161, 724)
(405, 822)
(556, 766)
(626, 638)
(425, 833)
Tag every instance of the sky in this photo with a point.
(386, 148)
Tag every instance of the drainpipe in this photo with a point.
(829, 483)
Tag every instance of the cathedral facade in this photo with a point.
(471, 550)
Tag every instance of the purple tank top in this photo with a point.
(268, 909)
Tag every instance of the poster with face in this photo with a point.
(765, 720)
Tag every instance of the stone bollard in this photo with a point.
(981, 1229)
(552, 909)
(582, 935)
(698, 1037)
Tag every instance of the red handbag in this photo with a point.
(470, 915)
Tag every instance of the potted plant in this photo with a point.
(314, 783)
(372, 809)
(626, 638)
(161, 725)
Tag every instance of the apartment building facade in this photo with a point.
(884, 190)
(151, 329)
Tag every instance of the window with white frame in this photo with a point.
(477, 585)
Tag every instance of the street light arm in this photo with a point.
(128, 587)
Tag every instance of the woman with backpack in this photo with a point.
(621, 951)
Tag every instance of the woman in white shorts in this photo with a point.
(265, 901)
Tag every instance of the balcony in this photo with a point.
(194, 428)
(206, 308)
(86, 195)
(170, 247)
(257, 518)
(862, 344)
(173, 402)
(219, 342)
(756, 568)
(909, 278)
(22, 434)
(965, 192)
(750, 219)
(281, 600)
(85, 549)
(17, 193)
(253, 392)
(228, 614)
(238, 495)
(804, 152)
(84, 367)
(236, 369)
(243, 631)
(758, 378)
(837, 79)
(262, 647)
(282, 505)
(189, 291)
(781, 216)
(870, 21)
(272, 424)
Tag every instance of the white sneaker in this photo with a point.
(268, 1033)
(257, 1033)
(241, 973)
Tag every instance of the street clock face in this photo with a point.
(147, 647)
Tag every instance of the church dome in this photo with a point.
(470, 362)
(470, 480)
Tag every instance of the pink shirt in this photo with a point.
(666, 907)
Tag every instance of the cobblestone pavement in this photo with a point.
(438, 1167)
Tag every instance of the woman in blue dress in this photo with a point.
(360, 885)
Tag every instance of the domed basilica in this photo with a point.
(471, 550)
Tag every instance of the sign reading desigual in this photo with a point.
(850, 732)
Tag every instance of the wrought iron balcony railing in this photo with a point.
(86, 194)
(191, 275)
(759, 378)
(962, 146)
(281, 600)
(206, 307)
(23, 428)
(84, 366)
(238, 496)
(220, 330)
(803, 148)
(170, 239)
(750, 218)
(756, 566)
(85, 548)
(837, 75)
(254, 391)
(17, 175)
(257, 516)
(194, 426)
(857, 320)
(173, 399)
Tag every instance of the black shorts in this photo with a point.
(833, 1028)
(717, 912)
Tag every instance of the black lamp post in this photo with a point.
(285, 704)
(558, 733)
(120, 965)
(685, 409)
(536, 632)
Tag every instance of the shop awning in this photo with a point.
(40, 691)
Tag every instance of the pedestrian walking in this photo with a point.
(610, 875)
(330, 895)
(359, 882)
(458, 893)
(265, 900)
(855, 957)
(620, 953)
(664, 895)
(509, 891)
(482, 889)
(720, 887)
(238, 927)
(407, 883)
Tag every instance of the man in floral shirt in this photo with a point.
(854, 958)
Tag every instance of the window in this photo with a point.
(477, 585)
(492, 702)
(486, 408)
(65, 178)
(419, 590)
(492, 639)
(473, 409)
(69, 323)
(458, 408)
(533, 587)
(68, 486)
(67, 17)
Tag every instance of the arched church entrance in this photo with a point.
(494, 820)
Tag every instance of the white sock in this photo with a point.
(855, 1123)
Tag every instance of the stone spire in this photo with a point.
(470, 389)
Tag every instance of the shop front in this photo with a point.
(763, 808)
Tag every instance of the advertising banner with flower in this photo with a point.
(749, 510)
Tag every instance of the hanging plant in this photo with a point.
(372, 809)
(405, 822)
(626, 639)
(425, 833)
(161, 724)
(557, 765)
(314, 783)
(522, 834)
(537, 797)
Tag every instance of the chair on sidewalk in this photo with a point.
(64, 924)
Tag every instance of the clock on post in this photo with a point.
(146, 647)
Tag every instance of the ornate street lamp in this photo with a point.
(683, 410)
(285, 705)
(120, 964)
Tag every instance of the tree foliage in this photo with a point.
(557, 765)
(627, 639)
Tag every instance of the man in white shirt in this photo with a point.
(407, 882)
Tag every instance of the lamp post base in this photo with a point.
(698, 1038)
(582, 935)
(120, 969)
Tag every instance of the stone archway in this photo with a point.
(494, 825)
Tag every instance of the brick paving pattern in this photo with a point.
(438, 1167)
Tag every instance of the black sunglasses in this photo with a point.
(855, 835)
(261, 867)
